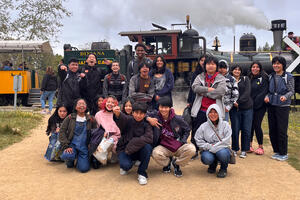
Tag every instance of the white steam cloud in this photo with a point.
(206, 16)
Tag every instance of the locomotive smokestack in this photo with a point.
(278, 26)
(187, 21)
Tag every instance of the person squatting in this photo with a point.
(130, 118)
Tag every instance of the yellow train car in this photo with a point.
(30, 92)
(27, 92)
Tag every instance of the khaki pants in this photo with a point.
(183, 155)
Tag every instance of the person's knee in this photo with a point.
(207, 158)
(147, 150)
(223, 155)
(191, 149)
(125, 165)
(84, 168)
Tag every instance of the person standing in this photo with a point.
(232, 92)
(259, 89)
(70, 87)
(281, 89)
(141, 86)
(115, 83)
(48, 89)
(91, 81)
(242, 113)
(163, 80)
(209, 88)
(133, 65)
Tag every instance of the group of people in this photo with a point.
(7, 65)
(130, 118)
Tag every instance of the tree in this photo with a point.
(31, 19)
(5, 6)
(266, 47)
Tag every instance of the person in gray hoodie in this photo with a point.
(214, 138)
(210, 88)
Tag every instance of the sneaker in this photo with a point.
(243, 154)
(167, 169)
(177, 170)
(275, 156)
(123, 172)
(70, 164)
(211, 170)
(142, 180)
(234, 153)
(282, 157)
(222, 173)
(95, 163)
(43, 112)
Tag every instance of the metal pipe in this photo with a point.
(204, 42)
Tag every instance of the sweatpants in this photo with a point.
(183, 155)
(278, 118)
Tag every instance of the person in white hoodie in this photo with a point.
(214, 137)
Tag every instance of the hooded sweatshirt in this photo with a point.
(105, 119)
(206, 137)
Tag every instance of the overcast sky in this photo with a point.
(97, 20)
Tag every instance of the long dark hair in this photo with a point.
(55, 120)
(199, 68)
(128, 99)
(155, 69)
(262, 73)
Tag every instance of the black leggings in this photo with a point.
(258, 116)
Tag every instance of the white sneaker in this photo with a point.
(123, 172)
(142, 180)
(282, 157)
(275, 156)
(43, 112)
(243, 154)
(234, 153)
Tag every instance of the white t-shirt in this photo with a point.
(80, 119)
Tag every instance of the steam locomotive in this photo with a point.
(181, 49)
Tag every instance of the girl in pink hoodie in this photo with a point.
(105, 119)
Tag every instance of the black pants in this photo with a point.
(278, 118)
(258, 116)
(196, 123)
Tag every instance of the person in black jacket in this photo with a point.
(91, 81)
(259, 89)
(241, 113)
(136, 141)
(115, 83)
(48, 89)
(70, 87)
(173, 128)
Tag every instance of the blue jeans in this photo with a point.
(83, 164)
(226, 117)
(241, 120)
(50, 96)
(143, 155)
(211, 159)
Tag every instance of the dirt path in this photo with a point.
(25, 174)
